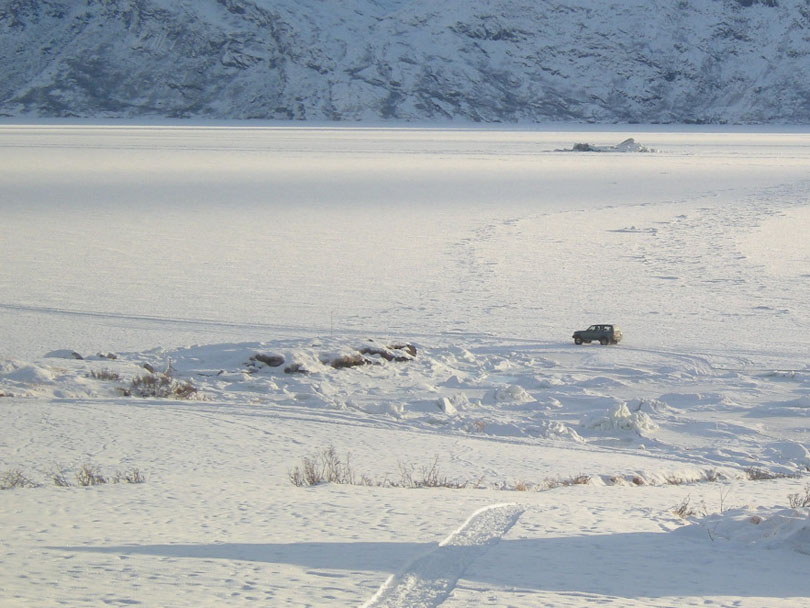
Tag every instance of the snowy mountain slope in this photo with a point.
(494, 60)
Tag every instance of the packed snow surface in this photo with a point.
(202, 310)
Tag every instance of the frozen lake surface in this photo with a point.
(193, 249)
(235, 231)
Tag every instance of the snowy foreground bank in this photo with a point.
(601, 477)
(178, 351)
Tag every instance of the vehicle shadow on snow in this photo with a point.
(630, 565)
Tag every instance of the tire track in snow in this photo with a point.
(429, 580)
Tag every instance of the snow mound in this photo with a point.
(802, 402)
(767, 528)
(452, 404)
(510, 393)
(621, 419)
(28, 374)
(554, 429)
(789, 451)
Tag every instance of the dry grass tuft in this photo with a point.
(104, 374)
(14, 478)
(426, 476)
(328, 467)
(760, 474)
(686, 509)
(799, 500)
(90, 475)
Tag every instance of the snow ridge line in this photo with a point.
(429, 580)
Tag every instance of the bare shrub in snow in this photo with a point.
(104, 374)
(90, 475)
(130, 476)
(60, 480)
(760, 474)
(308, 474)
(799, 500)
(426, 476)
(711, 475)
(335, 469)
(686, 509)
(159, 385)
(326, 466)
(577, 480)
(15, 478)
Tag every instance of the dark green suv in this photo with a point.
(605, 334)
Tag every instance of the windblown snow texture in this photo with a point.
(712, 61)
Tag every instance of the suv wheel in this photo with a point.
(577, 340)
(603, 341)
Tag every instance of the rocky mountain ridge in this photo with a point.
(607, 61)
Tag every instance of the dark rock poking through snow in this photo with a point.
(628, 145)
(268, 360)
(64, 354)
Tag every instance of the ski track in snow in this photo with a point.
(430, 579)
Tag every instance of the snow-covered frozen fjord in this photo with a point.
(200, 247)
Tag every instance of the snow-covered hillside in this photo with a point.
(490, 60)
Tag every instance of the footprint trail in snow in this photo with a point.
(429, 580)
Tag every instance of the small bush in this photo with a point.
(328, 467)
(87, 475)
(131, 476)
(90, 475)
(426, 476)
(799, 500)
(14, 478)
(578, 480)
(686, 510)
(336, 470)
(324, 467)
(104, 374)
(308, 474)
(60, 480)
(759, 474)
(711, 475)
(159, 385)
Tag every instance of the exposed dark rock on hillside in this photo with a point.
(690, 61)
